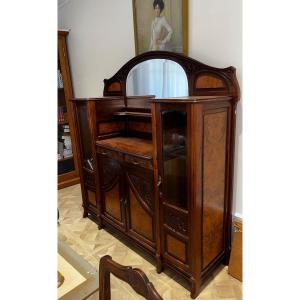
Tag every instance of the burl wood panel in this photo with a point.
(112, 202)
(115, 87)
(209, 81)
(111, 127)
(141, 221)
(176, 248)
(128, 145)
(92, 197)
(215, 131)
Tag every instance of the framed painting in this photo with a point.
(160, 25)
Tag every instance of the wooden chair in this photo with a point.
(136, 278)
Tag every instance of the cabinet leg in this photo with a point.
(100, 225)
(159, 267)
(227, 257)
(195, 287)
(85, 212)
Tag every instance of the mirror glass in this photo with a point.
(160, 77)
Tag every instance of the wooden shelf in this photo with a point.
(65, 158)
(133, 114)
(130, 145)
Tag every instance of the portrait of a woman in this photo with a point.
(160, 25)
(161, 31)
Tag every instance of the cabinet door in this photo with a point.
(112, 189)
(140, 205)
(173, 190)
(174, 158)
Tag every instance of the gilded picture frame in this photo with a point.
(160, 25)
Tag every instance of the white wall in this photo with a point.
(102, 40)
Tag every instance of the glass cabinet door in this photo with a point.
(174, 155)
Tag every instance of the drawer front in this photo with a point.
(138, 161)
(110, 153)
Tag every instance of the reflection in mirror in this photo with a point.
(159, 77)
(174, 126)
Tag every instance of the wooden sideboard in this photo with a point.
(159, 172)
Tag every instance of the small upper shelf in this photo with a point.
(133, 114)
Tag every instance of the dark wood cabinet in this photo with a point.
(158, 172)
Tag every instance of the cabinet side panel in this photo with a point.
(214, 159)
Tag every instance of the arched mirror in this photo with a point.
(160, 77)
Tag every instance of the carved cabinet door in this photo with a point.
(112, 189)
(140, 205)
(173, 188)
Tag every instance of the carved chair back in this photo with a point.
(136, 278)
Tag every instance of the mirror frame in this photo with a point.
(203, 80)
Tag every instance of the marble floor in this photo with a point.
(83, 236)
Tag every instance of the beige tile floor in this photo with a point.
(83, 236)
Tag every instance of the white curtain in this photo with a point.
(160, 77)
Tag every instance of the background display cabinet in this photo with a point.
(157, 153)
(67, 162)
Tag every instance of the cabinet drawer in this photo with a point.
(138, 161)
(109, 153)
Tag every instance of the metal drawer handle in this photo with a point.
(159, 181)
(103, 152)
(135, 162)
